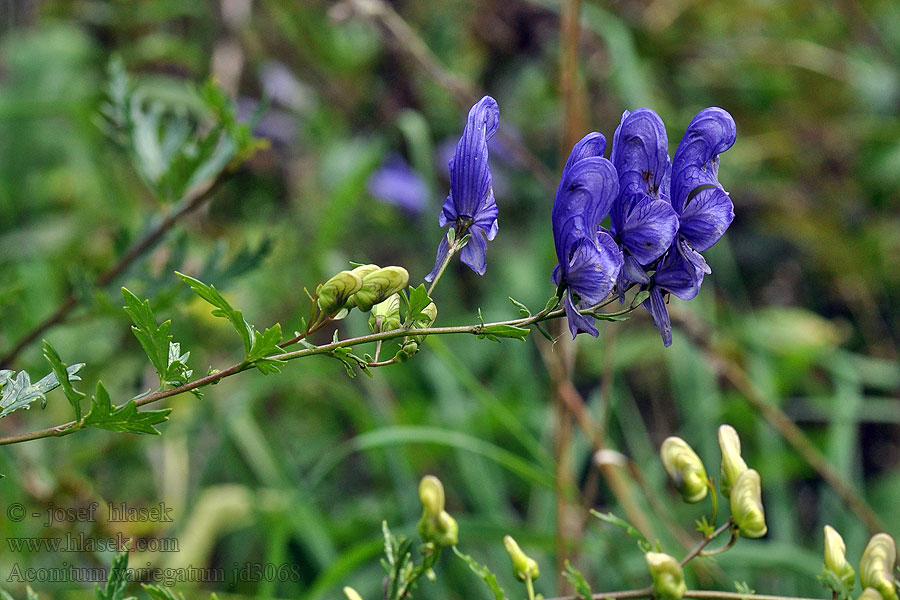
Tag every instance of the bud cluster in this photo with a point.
(362, 287)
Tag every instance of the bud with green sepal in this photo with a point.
(362, 271)
(685, 468)
(436, 525)
(409, 349)
(668, 577)
(732, 463)
(425, 319)
(876, 567)
(385, 316)
(378, 285)
(746, 505)
(835, 557)
(524, 567)
(332, 295)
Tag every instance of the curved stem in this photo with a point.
(698, 549)
(451, 252)
(476, 329)
(696, 594)
(734, 537)
(190, 203)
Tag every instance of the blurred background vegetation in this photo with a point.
(800, 312)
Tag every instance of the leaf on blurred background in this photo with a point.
(484, 573)
(117, 582)
(578, 581)
(415, 302)
(164, 354)
(60, 369)
(125, 418)
(19, 392)
(628, 527)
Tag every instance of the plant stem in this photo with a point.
(190, 203)
(698, 549)
(476, 329)
(451, 252)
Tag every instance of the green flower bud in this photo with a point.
(436, 525)
(732, 463)
(835, 558)
(378, 285)
(332, 295)
(685, 468)
(876, 567)
(351, 593)
(523, 566)
(425, 320)
(668, 577)
(406, 351)
(389, 314)
(362, 271)
(746, 505)
(870, 594)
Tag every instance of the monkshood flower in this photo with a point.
(642, 218)
(589, 259)
(396, 183)
(667, 213)
(470, 207)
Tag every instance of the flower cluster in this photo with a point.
(662, 213)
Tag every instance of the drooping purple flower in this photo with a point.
(589, 259)
(471, 207)
(704, 208)
(642, 218)
(397, 184)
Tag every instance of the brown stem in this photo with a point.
(190, 203)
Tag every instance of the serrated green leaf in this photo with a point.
(222, 309)
(578, 581)
(125, 418)
(506, 331)
(630, 529)
(164, 354)
(117, 581)
(484, 573)
(263, 346)
(60, 369)
(19, 392)
(415, 302)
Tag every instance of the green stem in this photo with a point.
(476, 329)
(529, 586)
(696, 594)
(451, 252)
(698, 549)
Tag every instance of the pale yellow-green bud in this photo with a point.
(362, 271)
(431, 494)
(732, 463)
(685, 468)
(389, 314)
(334, 293)
(523, 565)
(870, 594)
(876, 567)
(436, 525)
(424, 320)
(746, 505)
(351, 593)
(835, 556)
(668, 577)
(378, 285)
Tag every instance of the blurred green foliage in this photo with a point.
(300, 468)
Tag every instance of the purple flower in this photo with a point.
(470, 207)
(589, 259)
(396, 183)
(704, 210)
(642, 218)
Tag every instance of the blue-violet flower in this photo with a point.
(471, 207)
(589, 259)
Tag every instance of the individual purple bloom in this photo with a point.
(397, 184)
(704, 208)
(589, 258)
(470, 207)
(642, 218)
